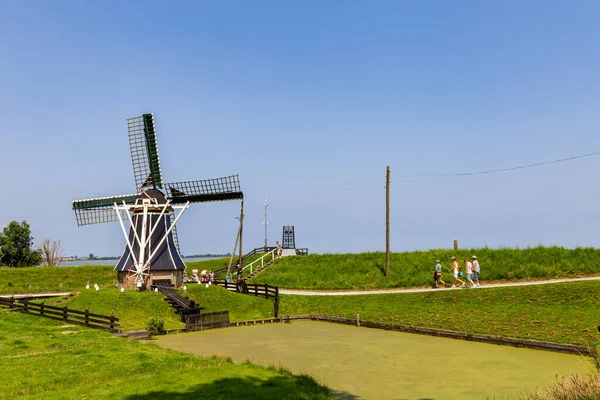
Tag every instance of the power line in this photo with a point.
(490, 171)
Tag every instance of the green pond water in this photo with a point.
(363, 363)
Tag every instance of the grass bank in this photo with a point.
(413, 269)
(54, 279)
(44, 359)
(135, 309)
(563, 313)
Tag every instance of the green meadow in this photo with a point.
(365, 271)
(46, 359)
(560, 312)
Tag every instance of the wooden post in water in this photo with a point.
(357, 319)
(387, 221)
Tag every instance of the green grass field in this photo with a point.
(562, 312)
(135, 309)
(46, 359)
(55, 279)
(414, 269)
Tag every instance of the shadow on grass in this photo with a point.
(279, 387)
(381, 267)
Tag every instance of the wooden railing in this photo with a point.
(181, 304)
(261, 260)
(266, 291)
(259, 250)
(97, 321)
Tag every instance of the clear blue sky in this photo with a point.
(308, 102)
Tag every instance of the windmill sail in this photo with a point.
(144, 152)
(226, 188)
(100, 209)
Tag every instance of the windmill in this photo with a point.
(152, 250)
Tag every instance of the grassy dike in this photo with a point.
(365, 271)
(563, 312)
(46, 359)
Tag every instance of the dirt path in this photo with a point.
(419, 290)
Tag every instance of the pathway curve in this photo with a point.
(419, 290)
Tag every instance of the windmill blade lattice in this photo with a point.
(144, 152)
(218, 189)
(100, 210)
(174, 231)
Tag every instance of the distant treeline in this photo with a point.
(207, 255)
(190, 256)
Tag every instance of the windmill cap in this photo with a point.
(474, 257)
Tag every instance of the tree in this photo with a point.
(15, 246)
(91, 256)
(52, 252)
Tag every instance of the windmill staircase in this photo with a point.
(258, 270)
(256, 266)
(183, 306)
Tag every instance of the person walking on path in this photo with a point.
(469, 270)
(476, 270)
(454, 269)
(279, 248)
(437, 275)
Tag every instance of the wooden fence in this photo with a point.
(205, 321)
(255, 289)
(97, 321)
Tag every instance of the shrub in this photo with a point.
(156, 326)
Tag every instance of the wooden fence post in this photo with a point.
(87, 316)
(42, 309)
(25, 303)
(357, 319)
(65, 313)
(276, 302)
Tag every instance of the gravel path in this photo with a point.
(420, 290)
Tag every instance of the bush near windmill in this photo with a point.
(16, 246)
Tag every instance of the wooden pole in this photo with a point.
(237, 237)
(455, 244)
(241, 234)
(387, 221)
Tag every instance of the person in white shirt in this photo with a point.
(476, 270)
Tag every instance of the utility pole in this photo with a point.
(241, 234)
(387, 221)
(266, 223)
